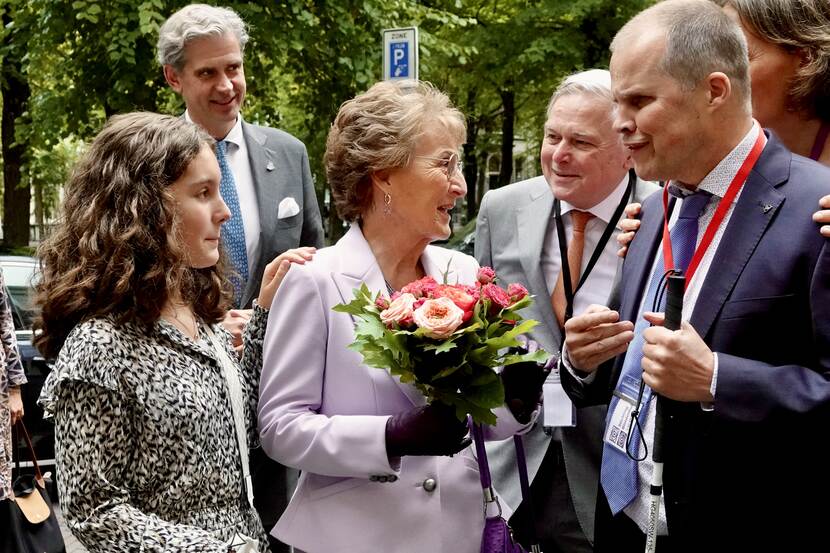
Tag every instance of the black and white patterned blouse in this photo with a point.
(145, 445)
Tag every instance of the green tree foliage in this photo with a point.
(84, 60)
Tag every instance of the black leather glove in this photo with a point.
(432, 429)
(523, 382)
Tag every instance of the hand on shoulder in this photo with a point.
(276, 270)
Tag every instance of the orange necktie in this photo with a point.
(580, 220)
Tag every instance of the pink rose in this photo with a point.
(458, 294)
(399, 311)
(497, 296)
(421, 287)
(438, 317)
(486, 275)
(516, 292)
(382, 302)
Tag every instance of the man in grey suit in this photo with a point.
(587, 181)
(266, 180)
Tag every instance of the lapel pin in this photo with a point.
(766, 207)
(269, 166)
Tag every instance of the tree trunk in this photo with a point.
(508, 98)
(482, 177)
(38, 190)
(16, 198)
(470, 160)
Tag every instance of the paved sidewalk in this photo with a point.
(72, 544)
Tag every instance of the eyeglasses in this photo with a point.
(452, 165)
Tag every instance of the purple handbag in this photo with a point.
(497, 536)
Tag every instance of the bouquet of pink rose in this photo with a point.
(445, 339)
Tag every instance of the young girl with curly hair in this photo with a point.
(146, 383)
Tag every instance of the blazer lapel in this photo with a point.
(640, 259)
(359, 266)
(758, 203)
(263, 164)
(532, 221)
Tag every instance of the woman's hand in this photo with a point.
(431, 429)
(234, 322)
(823, 217)
(523, 382)
(276, 271)
(629, 225)
(15, 404)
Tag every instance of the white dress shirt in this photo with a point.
(597, 287)
(237, 155)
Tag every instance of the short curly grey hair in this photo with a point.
(192, 22)
(378, 130)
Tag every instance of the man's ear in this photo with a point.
(172, 78)
(718, 89)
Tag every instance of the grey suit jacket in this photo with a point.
(510, 233)
(279, 167)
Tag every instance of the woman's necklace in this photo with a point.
(187, 323)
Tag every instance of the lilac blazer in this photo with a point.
(324, 412)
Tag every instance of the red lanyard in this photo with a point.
(723, 208)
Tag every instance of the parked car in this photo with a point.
(463, 239)
(20, 274)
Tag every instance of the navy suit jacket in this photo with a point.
(749, 471)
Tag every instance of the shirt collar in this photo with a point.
(719, 178)
(605, 209)
(234, 136)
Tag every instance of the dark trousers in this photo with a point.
(273, 486)
(620, 534)
(556, 525)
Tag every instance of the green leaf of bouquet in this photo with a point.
(482, 416)
(370, 326)
(446, 372)
(362, 302)
(472, 327)
(485, 377)
(483, 355)
(489, 395)
(508, 339)
(538, 356)
(354, 307)
(440, 348)
(522, 303)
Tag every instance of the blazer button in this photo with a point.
(430, 484)
(374, 478)
(392, 478)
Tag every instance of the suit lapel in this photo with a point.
(358, 266)
(758, 203)
(640, 259)
(263, 164)
(532, 221)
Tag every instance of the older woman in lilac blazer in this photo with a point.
(377, 471)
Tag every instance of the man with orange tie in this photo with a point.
(535, 232)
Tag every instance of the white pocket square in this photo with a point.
(288, 208)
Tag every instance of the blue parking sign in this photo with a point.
(399, 57)
(400, 53)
